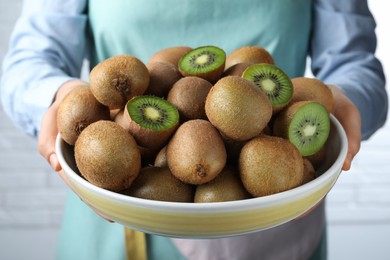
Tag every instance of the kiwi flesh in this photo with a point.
(107, 156)
(196, 153)
(249, 54)
(273, 81)
(189, 96)
(269, 165)
(306, 124)
(158, 183)
(227, 186)
(171, 55)
(117, 79)
(312, 89)
(162, 77)
(77, 110)
(150, 120)
(207, 62)
(238, 108)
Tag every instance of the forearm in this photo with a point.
(343, 54)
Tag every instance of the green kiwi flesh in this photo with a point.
(273, 81)
(207, 62)
(306, 124)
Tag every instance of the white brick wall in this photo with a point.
(32, 196)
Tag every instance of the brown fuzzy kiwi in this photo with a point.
(312, 89)
(249, 54)
(189, 96)
(161, 158)
(170, 54)
(236, 69)
(107, 156)
(269, 165)
(309, 173)
(238, 108)
(162, 77)
(158, 183)
(151, 121)
(196, 153)
(116, 80)
(318, 158)
(76, 111)
(227, 186)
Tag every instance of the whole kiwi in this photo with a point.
(249, 54)
(107, 156)
(196, 153)
(162, 77)
(238, 108)
(236, 69)
(158, 183)
(269, 164)
(117, 79)
(170, 54)
(189, 96)
(161, 158)
(309, 173)
(312, 89)
(227, 186)
(77, 110)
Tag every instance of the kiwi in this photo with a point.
(236, 69)
(312, 89)
(77, 110)
(238, 108)
(227, 186)
(171, 55)
(306, 124)
(162, 77)
(158, 183)
(273, 81)
(207, 62)
(196, 153)
(249, 54)
(107, 156)
(270, 164)
(189, 96)
(318, 158)
(309, 173)
(161, 158)
(116, 80)
(151, 121)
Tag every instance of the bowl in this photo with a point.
(209, 220)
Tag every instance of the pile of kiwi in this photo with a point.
(197, 125)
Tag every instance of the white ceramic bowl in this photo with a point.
(209, 220)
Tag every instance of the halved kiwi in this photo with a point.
(273, 81)
(206, 62)
(306, 124)
(151, 120)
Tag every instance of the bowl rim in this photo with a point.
(230, 206)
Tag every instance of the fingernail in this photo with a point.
(53, 161)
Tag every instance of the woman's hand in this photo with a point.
(349, 117)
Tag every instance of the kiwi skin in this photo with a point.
(227, 186)
(196, 153)
(107, 156)
(309, 173)
(236, 69)
(238, 108)
(76, 111)
(312, 89)
(161, 158)
(269, 164)
(249, 54)
(117, 79)
(171, 55)
(162, 77)
(158, 183)
(189, 96)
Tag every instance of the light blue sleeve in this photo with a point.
(343, 54)
(47, 48)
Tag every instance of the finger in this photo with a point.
(47, 137)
